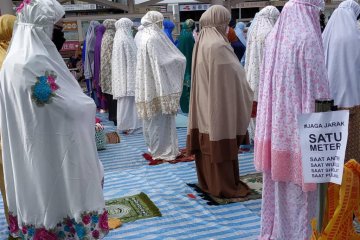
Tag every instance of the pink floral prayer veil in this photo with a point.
(293, 75)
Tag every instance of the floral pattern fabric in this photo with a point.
(261, 27)
(159, 71)
(22, 5)
(106, 55)
(286, 210)
(92, 225)
(292, 77)
(44, 88)
(123, 60)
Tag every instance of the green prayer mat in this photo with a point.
(254, 181)
(132, 208)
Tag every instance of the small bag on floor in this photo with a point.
(100, 137)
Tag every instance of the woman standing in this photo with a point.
(220, 107)
(159, 81)
(168, 29)
(292, 77)
(105, 67)
(262, 25)
(53, 174)
(239, 48)
(89, 58)
(240, 33)
(99, 30)
(342, 54)
(123, 76)
(186, 44)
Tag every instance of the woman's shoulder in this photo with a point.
(220, 48)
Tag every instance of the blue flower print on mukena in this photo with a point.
(44, 88)
(31, 231)
(95, 219)
(80, 230)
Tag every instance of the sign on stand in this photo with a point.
(323, 139)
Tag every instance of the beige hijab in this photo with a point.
(221, 98)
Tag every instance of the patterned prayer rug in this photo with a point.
(132, 208)
(254, 181)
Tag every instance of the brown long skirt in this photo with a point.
(220, 179)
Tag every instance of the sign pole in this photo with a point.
(322, 105)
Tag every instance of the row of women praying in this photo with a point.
(104, 56)
(47, 122)
(142, 78)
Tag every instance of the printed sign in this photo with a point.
(194, 7)
(323, 139)
(70, 26)
(77, 7)
(163, 9)
(252, 4)
(147, 9)
(70, 46)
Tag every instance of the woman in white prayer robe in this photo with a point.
(123, 76)
(159, 81)
(262, 25)
(52, 171)
(341, 39)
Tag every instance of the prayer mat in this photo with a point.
(112, 138)
(182, 158)
(132, 208)
(254, 181)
